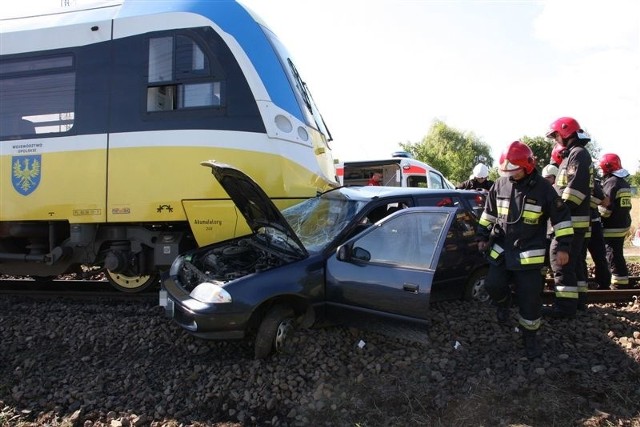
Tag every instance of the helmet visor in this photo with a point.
(510, 173)
(508, 169)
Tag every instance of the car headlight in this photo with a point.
(210, 293)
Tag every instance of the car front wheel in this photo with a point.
(275, 331)
(475, 289)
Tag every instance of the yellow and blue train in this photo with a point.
(106, 112)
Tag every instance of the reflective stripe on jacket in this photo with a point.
(574, 184)
(521, 209)
(616, 218)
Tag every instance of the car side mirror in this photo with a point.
(361, 254)
(348, 252)
(343, 253)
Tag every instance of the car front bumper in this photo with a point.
(204, 320)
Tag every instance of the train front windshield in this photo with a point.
(307, 105)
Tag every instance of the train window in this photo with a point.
(199, 95)
(37, 96)
(161, 59)
(177, 67)
(190, 59)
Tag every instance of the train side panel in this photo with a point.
(53, 183)
(107, 114)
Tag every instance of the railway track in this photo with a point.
(102, 289)
(601, 296)
(76, 289)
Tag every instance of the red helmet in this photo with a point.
(565, 126)
(610, 163)
(556, 154)
(517, 155)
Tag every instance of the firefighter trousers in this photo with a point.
(570, 279)
(528, 291)
(617, 263)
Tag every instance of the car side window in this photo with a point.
(406, 240)
(384, 211)
(440, 201)
(477, 203)
(465, 224)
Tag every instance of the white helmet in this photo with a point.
(549, 170)
(480, 171)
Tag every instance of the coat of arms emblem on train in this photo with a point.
(25, 174)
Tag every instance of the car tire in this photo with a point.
(275, 331)
(475, 290)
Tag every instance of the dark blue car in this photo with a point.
(352, 255)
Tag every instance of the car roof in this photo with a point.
(371, 192)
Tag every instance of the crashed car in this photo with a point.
(353, 255)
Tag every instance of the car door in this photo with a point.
(460, 254)
(386, 272)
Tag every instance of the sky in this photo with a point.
(381, 71)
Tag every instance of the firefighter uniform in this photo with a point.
(514, 222)
(616, 220)
(574, 184)
(595, 240)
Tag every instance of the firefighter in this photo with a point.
(479, 179)
(513, 230)
(595, 241)
(574, 185)
(550, 172)
(616, 217)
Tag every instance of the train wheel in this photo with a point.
(131, 283)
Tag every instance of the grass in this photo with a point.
(635, 215)
(633, 255)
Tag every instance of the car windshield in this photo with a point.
(318, 221)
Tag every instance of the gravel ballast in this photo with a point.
(115, 363)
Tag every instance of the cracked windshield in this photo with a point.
(318, 221)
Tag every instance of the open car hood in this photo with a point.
(254, 204)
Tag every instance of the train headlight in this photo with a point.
(210, 293)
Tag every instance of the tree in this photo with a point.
(635, 178)
(452, 152)
(542, 148)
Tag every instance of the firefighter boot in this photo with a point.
(582, 301)
(531, 347)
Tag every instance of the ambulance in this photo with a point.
(400, 170)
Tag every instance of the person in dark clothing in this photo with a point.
(616, 217)
(595, 240)
(479, 179)
(574, 184)
(513, 231)
(550, 172)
